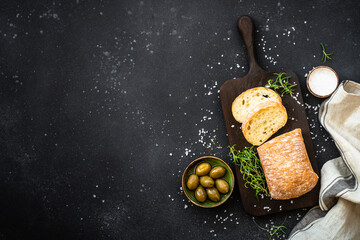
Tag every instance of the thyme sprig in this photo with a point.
(250, 168)
(281, 83)
(276, 231)
(325, 56)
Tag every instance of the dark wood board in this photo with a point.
(297, 119)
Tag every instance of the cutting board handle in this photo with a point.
(246, 27)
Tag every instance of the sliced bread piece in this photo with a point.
(263, 121)
(248, 100)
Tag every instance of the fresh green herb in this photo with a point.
(325, 56)
(250, 168)
(276, 231)
(281, 83)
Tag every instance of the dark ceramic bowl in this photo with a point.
(214, 161)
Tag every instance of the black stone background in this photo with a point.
(104, 103)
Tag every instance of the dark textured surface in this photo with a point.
(104, 103)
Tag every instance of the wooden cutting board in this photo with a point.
(297, 119)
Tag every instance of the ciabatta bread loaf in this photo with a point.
(263, 121)
(249, 99)
(287, 167)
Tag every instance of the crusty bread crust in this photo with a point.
(287, 167)
(249, 99)
(270, 123)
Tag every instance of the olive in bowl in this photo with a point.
(213, 194)
(192, 182)
(217, 172)
(207, 182)
(203, 169)
(222, 186)
(207, 194)
(200, 194)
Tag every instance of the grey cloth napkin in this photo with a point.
(338, 213)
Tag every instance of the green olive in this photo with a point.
(200, 194)
(213, 194)
(222, 186)
(193, 182)
(217, 172)
(207, 181)
(203, 169)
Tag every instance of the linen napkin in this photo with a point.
(338, 213)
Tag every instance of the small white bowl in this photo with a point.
(316, 79)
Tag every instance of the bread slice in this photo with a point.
(287, 167)
(263, 121)
(248, 100)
